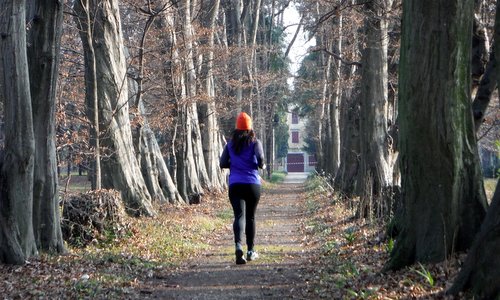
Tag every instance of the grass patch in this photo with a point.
(268, 254)
(225, 214)
(277, 177)
(152, 245)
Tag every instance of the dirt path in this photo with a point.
(277, 274)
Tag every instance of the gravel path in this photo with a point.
(277, 274)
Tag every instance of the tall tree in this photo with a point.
(188, 154)
(443, 196)
(44, 36)
(121, 168)
(84, 19)
(481, 270)
(17, 240)
(211, 138)
(191, 106)
(376, 166)
(154, 169)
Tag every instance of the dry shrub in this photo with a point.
(92, 216)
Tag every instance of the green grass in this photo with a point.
(426, 274)
(268, 254)
(78, 184)
(165, 241)
(277, 177)
(225, 215)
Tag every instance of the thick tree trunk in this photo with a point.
(195, 176)
(121, 169)
(17, 240)
(211, 139)
(154, 170)
(376, 167)
(153, 167)
(481, 270)
(43, 58)
(442, 188)
(347, 173)
(345, 178)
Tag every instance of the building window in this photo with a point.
(295, 137)
(295, 118)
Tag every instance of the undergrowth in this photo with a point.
(115, 267)
(277, 177)
(352, 253)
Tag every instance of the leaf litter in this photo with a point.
(349, 255)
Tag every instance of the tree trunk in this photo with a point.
(43, 58)
(17, 240)
(322, 147)
(347, 173)
(195, 173)
(345, 178)
(121, 168)
(481, 270)
(442, 187)
(153, 167)
(376, 145)
(211, 139)
(84, 18)
(334, 160)
(487, 85)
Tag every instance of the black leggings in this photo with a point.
(244, 199)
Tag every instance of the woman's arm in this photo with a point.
(259, 153)
(224, 161)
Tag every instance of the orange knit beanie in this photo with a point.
(243, 122)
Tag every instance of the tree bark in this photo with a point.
(17, 240)
(334, 110)
(195, 174)
(481, 270)
(442, 188)
(154, 170)
(211, 139)
(487, 85)
(376, 145)
(345, 178)
(44, 37)
(121, 168)
(84, 18)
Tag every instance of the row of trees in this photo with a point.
(141, 92)
(148, 89)
(395, 107)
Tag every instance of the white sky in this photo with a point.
(299, 48)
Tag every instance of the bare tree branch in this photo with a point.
(294, 37)
(338, 57)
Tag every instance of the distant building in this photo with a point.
(297, 160)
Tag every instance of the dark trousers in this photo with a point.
(244, 199)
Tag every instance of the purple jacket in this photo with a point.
(243, 167)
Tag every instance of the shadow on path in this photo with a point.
(277, 274)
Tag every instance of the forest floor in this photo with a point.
(310, 247)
